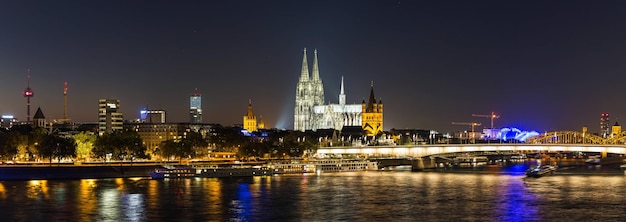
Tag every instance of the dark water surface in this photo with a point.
(350, 196)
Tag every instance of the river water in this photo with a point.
(347, 196)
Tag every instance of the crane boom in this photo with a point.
(473, 124)
(492, 116)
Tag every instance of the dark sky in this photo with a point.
(541, 65)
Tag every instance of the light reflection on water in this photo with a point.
(352, 196)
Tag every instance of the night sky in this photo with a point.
(540, 65)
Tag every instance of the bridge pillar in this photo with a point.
(418, 164)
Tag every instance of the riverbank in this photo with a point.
(50, 172)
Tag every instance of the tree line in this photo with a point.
(25, 143)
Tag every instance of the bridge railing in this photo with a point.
(574, 137)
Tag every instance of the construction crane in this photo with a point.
(472, 124)
(492, 116)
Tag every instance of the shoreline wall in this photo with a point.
(74, 172)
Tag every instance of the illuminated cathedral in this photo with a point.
(310, 113)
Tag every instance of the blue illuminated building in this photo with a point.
(195, 108)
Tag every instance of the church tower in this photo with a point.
(309, 93)
(249, 120)
(304, 105)
(372, 115)
(316, 83)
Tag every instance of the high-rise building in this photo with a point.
(109, 116)
(604, 125)
(195, 107)
(249, 120)
(372, 115)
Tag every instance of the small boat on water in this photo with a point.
(173, 172)
(541, 170)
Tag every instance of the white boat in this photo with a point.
(324, 165)
(541, 170)
(343, 165)
(173, 172)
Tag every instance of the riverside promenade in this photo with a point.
(48, 171)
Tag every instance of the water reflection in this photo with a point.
(362, 196)
(515, 203)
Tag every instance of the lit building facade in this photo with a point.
(336, 116)
(310, 113)
(152, 116)
(372, 114)
(153, 134)
(249, 120)
(195, 108)
(616, 129)
(604, 125)
(7, 121)
(109, 116)
(309, 93)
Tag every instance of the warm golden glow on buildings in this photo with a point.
(249, 120)
(372, 115)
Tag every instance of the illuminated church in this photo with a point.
(310, 113)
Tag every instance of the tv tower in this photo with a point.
(28, 93)
(65, 102)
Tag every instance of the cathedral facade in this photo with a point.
(310, 113)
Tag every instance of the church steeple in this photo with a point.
(304, 76)
(250, 113)
(342, 96)
(316, 70)
(372, 101)
(249, 120)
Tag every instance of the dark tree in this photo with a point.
(53, 146)
(120, 144)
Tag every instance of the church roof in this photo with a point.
(39, 114)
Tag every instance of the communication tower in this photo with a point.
(28, 93)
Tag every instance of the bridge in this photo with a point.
(563, 141)
(435, 149)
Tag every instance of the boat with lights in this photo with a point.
(234, 170)
(180, 171)
(541, 170)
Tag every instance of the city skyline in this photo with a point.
(539, 65)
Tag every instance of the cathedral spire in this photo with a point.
(372, 100)
(316, 70)
(305, 68)
(342, 96)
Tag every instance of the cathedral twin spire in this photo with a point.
(309, 93)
